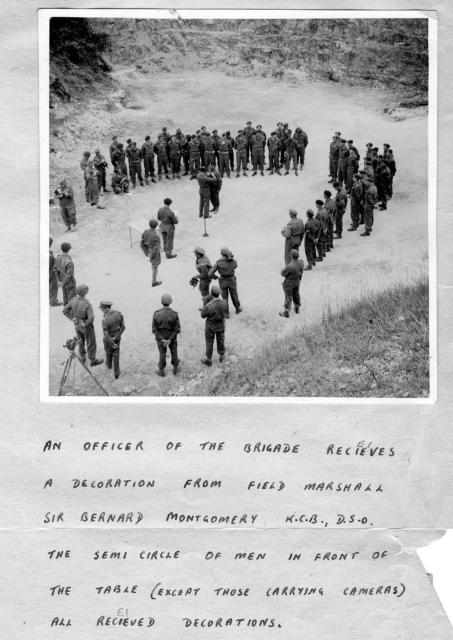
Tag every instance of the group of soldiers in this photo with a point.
(207, 158)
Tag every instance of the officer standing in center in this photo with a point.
(226, 266)
(168, 220)
(113, 328)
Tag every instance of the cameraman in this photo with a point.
(80, 311)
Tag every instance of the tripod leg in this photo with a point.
(89, 372)
(65, 376)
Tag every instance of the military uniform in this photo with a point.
(333, 158)
(204, 183)
(352, 166)
(293, 234)
(65, 273)
(119, 160)
(185, 149)
(135, 165)
(290, 147)
(248, 134)
(166, 326)
(356, 203)
(174, 147)
(208, 152)
(322, 216)
(215, 311)
(341, 200)
(113, 328)
(203, 265)
(301, 139)
(329, 206)
(226, 267)
(194, 156)
(148, 159)
(216, 143)
(342, 163)
(274, 145)
(113, 147)
(120, 183)
(214, 188)
(150, 245)
(258, 142)
(53, 282)
(101, 167)
(80, 311)
(167, 220)
(241, 153)
(291, 284)
(224, 157)
(312, 232)
(230, 139)
(67, 205)
(160, 149)
(370, 199)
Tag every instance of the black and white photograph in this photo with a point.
(238, 204)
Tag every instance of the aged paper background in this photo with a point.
(417, 479)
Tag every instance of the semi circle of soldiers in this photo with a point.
(208, 157)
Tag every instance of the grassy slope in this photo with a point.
(378, 347)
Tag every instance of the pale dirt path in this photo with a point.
(253, 211)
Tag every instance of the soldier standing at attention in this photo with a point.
(301, 139)
(185, 148)
(101, 167)
(224, 156)
(84, 166)
(248, 133)
(113, 328)
(369, 202)
(208, 147)
(53, 282)
(229, 137)
(312, 231)
(80, 311)
(65, 195)
(166, 327)
(160, 149)
(333, 158)
(216, 143)
(322, 217)
(65, 273)
(353, 148)
(226, 267)
(194, 156)
(150, 245)
(290, 146)
(215, 311)
(174, 147)
(258, 143)
(291, 284)
(204, 183)
(128, 155)
(203, 265)
(168, 220)
(352, 166)
(293, 234)
(112, 149)
(392, 166)
(241, 153)
(343, 152)
(135, 164)
(341, 200)
(148, 160)
(273, 145)
(329, 206)
(356, 202)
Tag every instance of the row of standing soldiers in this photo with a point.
(203, 148)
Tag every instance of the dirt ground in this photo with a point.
(252, 214)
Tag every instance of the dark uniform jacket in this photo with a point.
(79, 310)
(301, 139)
(294, 229)
(312, 229)
(215, 311)
(273, 144)
(240, 142)
(204, 182)
(258, 141)
(330, 207)
(226, 266)
(167, 218)
(113, 326)
(150, 243)
(248, 132)
(119, 156)
(224, 146)
(160, 148)
(341, 199)
(203, 264)
(166, 324)
(194, 147)
(64, 267)
(147, 149)
(293, 272)
(174, 147)
(323, 217)
(135, 156)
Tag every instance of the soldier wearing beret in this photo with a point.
(312, 232)
(65, 273)
(113, 328)
(293, 234)
(293, 275)
(166, 327)
(215, 311)
(168, 220)
(80, 311)
(150, 245)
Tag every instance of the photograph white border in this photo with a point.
(44, 16)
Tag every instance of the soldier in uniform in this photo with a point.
(230, 139)
(226, 266)
(80, 311)
(248, 133)
(333, 158)
(194, 156)
(84, 166)
(356, 202)
(65, 273)
(174, 147)
(119, 159)
(312, 231)
(185, 148)
(293, 275)
(343, 152)
(92, 189)
(241, 153)
(204, 183)
(135, 164)
(383, 177)
(160, 149)
(168, 220)
(215, 311)
(290, 147)
(216, 143)
(120, 183)
(113, 328)
(101, 167)
(214, 191)
(166, 327)
(150, 245)
(224, 156)
(128, 155)
(53, 281)
(322, 216)
(273, 145)
(208, 151)
(293, 234)
(258, 144)
(341, 200)
(369, 202)
(392, 166)
(352, 166)
(351, 147)
(301, 139)
(65, 195)
(329, 206)
(112, 149)
(148, 160)
(203, 265)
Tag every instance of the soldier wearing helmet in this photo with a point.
(166, 327)
(80, 311)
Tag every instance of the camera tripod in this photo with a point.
(70, 364)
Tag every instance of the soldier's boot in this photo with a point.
(286, 173)
(160, 372)
(308, 267)
(160, 177)
(186, 173)
(365, 233)
(271, 172)
(237, 175)
(206, 361)
(156, 283)
(297, 308)
(239, 310)
(228, 175)
(254, 173)
(262, 172)
(153, 179)
(337, 236)
(284, 314)
(96, 361)
(278, 172)
(148, 181)
(178, 176)
(175, 369)
(245, 174)
(167, 176)
(221, 357)
(352, 228)
(296, 173)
